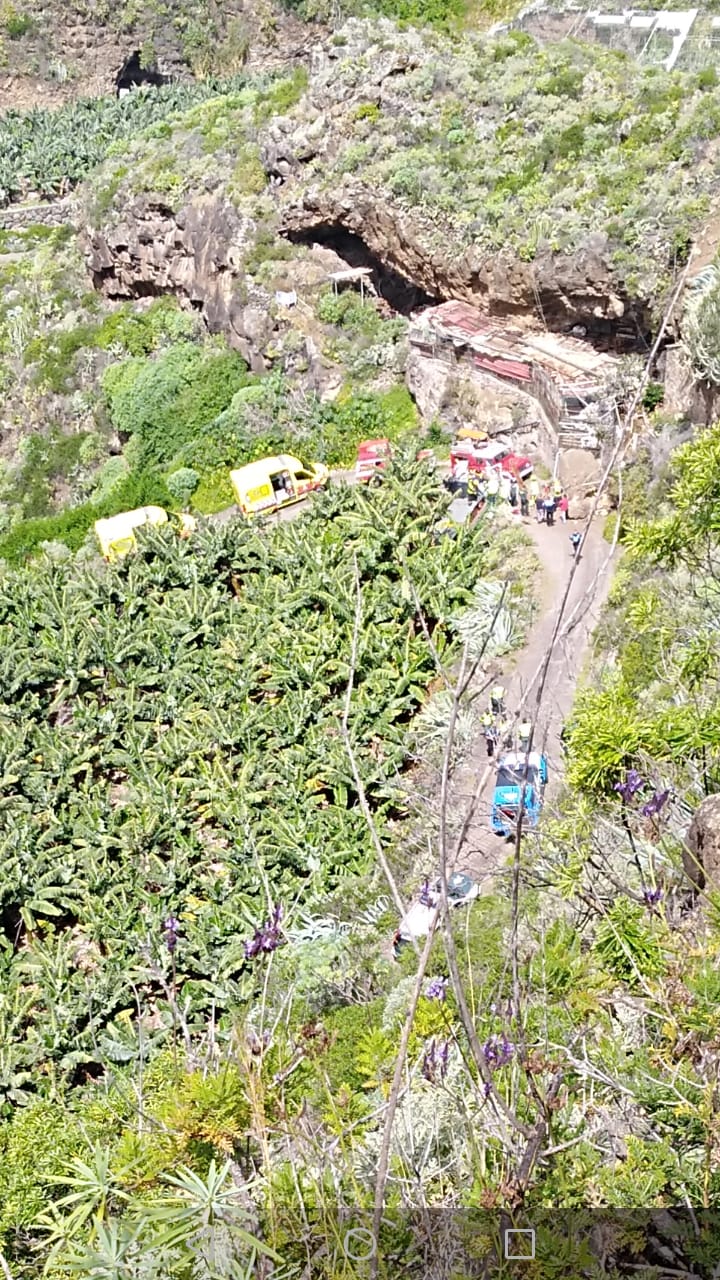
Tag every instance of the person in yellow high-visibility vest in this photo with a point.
(497, 699)
(524, 735)
(536, 497)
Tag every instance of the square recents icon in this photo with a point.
(519, 1244)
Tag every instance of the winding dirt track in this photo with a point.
(482, 853)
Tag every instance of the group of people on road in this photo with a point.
(490, 488)
(500, 730)
(496, 486)
(549, 499)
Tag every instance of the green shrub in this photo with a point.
(182, 485)
(443, 14)
(137, 332)
(653, 396)
(169, 401)
(348, 1027)
(14, 23)
(367, 111)
(214, 492)
(111, 473)
(44, 460)
(626, 944)
(35, 1147)
(248, 176)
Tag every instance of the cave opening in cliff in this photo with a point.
(133, 74)
(402, 295)
(629, 335)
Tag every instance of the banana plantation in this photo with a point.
(173, 756)
(50, 151)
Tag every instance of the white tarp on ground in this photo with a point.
(416, 921)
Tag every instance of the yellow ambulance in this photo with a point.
(271, 483)
(116, 534)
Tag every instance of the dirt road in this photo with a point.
(481, 852)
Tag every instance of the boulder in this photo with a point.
(579, 471)
(701, 852)
(579, 508)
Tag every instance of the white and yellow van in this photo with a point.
(116, 534)
(275, 482)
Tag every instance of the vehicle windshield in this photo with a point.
(513, 777)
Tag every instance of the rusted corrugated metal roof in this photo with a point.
(569, 361)
(503, 368)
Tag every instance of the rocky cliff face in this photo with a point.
(196, 253)
(577, 288)
(373, 100)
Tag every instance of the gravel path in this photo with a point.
(482, 853)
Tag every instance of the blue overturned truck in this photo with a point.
(515, 770)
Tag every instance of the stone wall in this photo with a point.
(686, 395)
(459, 393)
(56, 213)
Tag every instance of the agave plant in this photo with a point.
(488, 626)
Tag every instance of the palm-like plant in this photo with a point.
(153, 714)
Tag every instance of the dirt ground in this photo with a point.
(481, 853)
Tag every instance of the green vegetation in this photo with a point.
(133, 331)
(659, 702)
(43, 150)
(444, 15)
(166, 403)
(70, 527)
(13, 22)
(172, 658)
(269, 416)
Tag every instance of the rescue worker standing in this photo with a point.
(460, 476)
(524, 503)
(493, 488)
(473, 488)
(497, 700)
(490, 733)
(524, 735)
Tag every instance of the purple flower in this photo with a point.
(258, 1043)
(652, 897)
(425, 894)
(655, 804)
(436, 989)
(435, 1060)
(171, 933)
(487, 1088)
(498, 1050)
(633, 782)
(267, 938)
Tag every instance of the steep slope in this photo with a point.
(561, 182)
